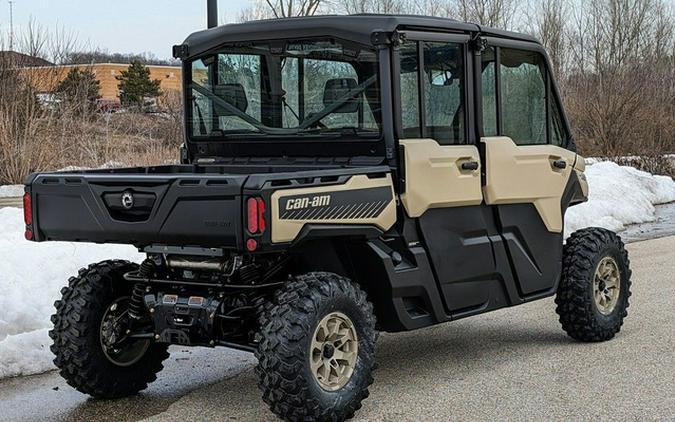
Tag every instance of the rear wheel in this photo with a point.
(317, 349)
(90, 343)
(592, 298)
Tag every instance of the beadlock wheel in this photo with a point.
(594, 290)
(333, 351)
(606, 285)
(316, 348)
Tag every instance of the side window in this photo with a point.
(523, 96)
(559, 135)
(443, 82)
(410, 112)
(489, 98)
(441, 94)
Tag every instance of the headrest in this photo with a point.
(336, 88)
(234, 94)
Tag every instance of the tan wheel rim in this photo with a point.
(606, 285)
(333, 351)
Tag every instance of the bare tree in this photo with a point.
(550, 27)
(493, 13)
(289, 8)
(620, 90)
(370, 6)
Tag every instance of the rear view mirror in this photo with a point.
(335, 89)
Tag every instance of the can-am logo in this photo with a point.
(127, 200)
(307, 202)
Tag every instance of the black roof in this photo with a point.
(350, 27)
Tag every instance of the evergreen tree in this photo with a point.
(79, 88)
(135, 85)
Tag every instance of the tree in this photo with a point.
(135, 85)
(494, 13)
(80, 88)
(267, 9)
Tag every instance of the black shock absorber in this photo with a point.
(145, 271)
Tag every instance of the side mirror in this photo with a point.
(336, 89)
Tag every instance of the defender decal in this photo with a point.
(339, 205)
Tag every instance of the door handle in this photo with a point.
(560, 164)
(470, 165)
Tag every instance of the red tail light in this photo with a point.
(255, 215)
(27, 209)
(261, 215)
(252, 216)
(28, 215)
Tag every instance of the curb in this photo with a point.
(16, 202)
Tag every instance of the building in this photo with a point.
(46, 78)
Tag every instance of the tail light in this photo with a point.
(255, 212)
(28, 215)
(27, 209)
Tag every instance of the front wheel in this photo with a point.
(89, 335)
(316, 349)
(593, 294)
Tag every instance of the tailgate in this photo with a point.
(166, 209)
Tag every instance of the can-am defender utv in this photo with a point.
(340, 175)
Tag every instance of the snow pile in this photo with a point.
(10, 191)
(31, 277)
(619, 196)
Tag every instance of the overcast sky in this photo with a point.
(124, 26)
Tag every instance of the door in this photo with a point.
(527, 167)
(442, 189)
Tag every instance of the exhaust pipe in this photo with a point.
(212, 13)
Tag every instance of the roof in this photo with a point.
(358, 28)
(93, 65)
(15, 59)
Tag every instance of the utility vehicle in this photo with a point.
(341, 175)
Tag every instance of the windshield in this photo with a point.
(321, 88)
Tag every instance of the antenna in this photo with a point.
(11, 25)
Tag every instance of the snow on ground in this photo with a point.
(619, 196)
(9, 191)
(32, 274)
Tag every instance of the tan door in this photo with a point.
(528, 174)
(526, 185)
(439, 176)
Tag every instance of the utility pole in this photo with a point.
(11, 25)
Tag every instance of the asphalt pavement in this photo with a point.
(511, 364)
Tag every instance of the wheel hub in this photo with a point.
(113, 336)
(606, 285)
(333, 351)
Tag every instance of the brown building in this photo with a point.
(46, 78)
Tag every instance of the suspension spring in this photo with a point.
(136, 304)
